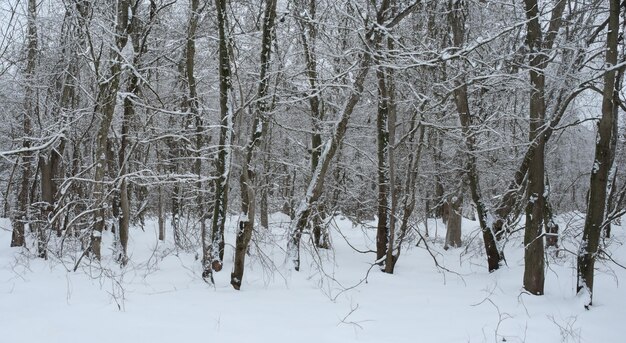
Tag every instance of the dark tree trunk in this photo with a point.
(105, 107)
(124, 220)
(494, 256)
(535, 192)
(596, 203)
(140, 32)
(382, 226)
(160, 214)
(316, 185)
(21, 216)
(384, 236)
(408, 198)
(266, 180)
(308, 36)
(191, 105)
(123, 201)
(246, 181)
(533, 240)
(176, 214)
(387, 109)
(216, 255)
(504, 211)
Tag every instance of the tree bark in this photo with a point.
(191, 105)
(535, 192)
(105, 107)
(140, 32)
(384, 146)
(329, 148)
(596, 203)
(384, 184)
(160, 213)
(386, 227)
(315, 187)
(21, 216)
(453, 222)
(408, 198)
(539, 60)
(246, 223)
(220, 204)
(494, 255)
(308, 36)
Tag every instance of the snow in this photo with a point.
(161, 297)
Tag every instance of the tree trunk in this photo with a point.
(382, 225)
(453, 222)
(596, 203)
(494, 256)
(550, 226)
(220, 204)
(124, 220)
(329, 148)
(538, 44)
(105, 107)
(308, 35)
(139, 43)
(246, 223)
(410, 189)
(123, 217)
(535, 192)
(384, 148)
(21, 216)
(160, 213)
(266, 180)
(386, 124)
(176, 214)
(192, 107)
(315, 187)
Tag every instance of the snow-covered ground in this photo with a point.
(160, 296)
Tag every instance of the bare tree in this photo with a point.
(105, 107)
(372, 39)
(596, 205)
(246, 180)
(494, 255)
(224, 147)
(308, 36)
(533, 237)
(21, 216)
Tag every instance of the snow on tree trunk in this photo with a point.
(246, 180)
(220, 205)
(105, 107)
(494, 255)
(315, 187)
(535, 192)
(21, 216)
(454, 207)
(596, 204)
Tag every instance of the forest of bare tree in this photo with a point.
(209, 117)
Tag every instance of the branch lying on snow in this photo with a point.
(352, 310)
(439, 266)
(502, 316)
(348, 242)
(356, 285)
